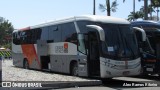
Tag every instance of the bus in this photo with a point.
(87, 46)
(151, 48)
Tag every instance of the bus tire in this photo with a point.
(26, 64)
(74, 69)
(106, 80)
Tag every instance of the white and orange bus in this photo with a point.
(88, 46)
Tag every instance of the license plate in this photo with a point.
(149, 69)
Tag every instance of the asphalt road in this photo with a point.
(125, 83)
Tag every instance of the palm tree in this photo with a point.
(150, 10)
(108, 8)
(134, 16)
(156, 4)
(94, 6)
(145, 9)
(133, 6)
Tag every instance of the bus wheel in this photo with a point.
(74, 70)
(26, 64)
(106, 80)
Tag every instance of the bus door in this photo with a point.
(82, 55)
(93, 54)
(89, 63)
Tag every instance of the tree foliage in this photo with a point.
(135, 16)
(6, 29)
(141, 12)
(155, 3)
(150, 8)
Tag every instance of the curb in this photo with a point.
(68, 84)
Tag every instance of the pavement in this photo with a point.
(15, 78)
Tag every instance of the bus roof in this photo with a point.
(94, 18)
(145, 22)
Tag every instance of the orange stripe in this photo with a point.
(29, 52)
(23, 29)
(37, 58)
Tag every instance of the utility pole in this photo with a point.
(94, 7)
(145, 9)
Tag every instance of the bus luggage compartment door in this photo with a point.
(82, 66)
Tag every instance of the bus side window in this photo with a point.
(55, 33)
(15, 39)
(69, 33)
(52, 30)
(44, 35)
(81, 44)
(36, 35)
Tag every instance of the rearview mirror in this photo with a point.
(140, 33)
(99, 29)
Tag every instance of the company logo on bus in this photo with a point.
(65, 47)
(62, 49)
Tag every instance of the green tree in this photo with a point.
(145, 9)
(6, 29)
(108, 8)
(134, 16)
(155, 3)
(150, 10)
(133, 7)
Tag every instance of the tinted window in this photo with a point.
(16, 38)
(69, 33)
(27, 36)
(120, 41)
(82, 25)
(52, 30)
(55, 33)
(44, 35)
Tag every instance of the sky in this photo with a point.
(24, 13)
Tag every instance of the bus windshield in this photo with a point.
(153, 36)
(152, 30)
(120, 41)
